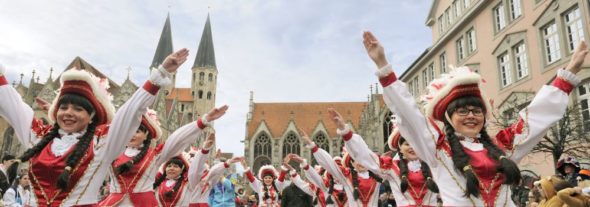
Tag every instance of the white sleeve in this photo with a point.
(304, 186)
(413, 125)
(314, 177)
(9, 198)
(18, 114)
(360, 152)
(325, 160)
(179, 140)
(255, 184)
(548, 107)
(216, 172)
(195, 171)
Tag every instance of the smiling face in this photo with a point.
(73, 113)
(467, 115)
(173, 170)
(407, 150)
(138, 138)
(267, 179)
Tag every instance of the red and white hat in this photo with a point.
(184, 157)
(267, 170)
(150, 121)
(459, 82)
(83, 83)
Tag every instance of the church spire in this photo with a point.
(165, 46)
(206, 53)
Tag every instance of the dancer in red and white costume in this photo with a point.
(469, 167)
(132, 174)
(332, 191)
(69, 160)
(410, 179)
(171, 183)
(269, 189)
(201, 178)
(315, 191)
(361, 186)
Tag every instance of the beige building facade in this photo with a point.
(516, 45)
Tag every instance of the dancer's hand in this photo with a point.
(337, 118)
(244, 163)
(296, 158)
(209, 141)
(218, 154)
(374, 49)
(42, 104)
(578, 57)
(304, 137)
(174, 60)
(235, 160)
(216, 113)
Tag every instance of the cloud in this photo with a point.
(284, 51)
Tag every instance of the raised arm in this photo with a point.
(420, 133)
(15, 111)
(187, 134)
(312, 176)
(217, 170)
(128, 117)
(548, 107)
(304, 186)
(255, 184)
(198, 163)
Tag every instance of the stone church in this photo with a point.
(175, 106)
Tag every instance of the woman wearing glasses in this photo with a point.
(467, 165)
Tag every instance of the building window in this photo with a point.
(194, 76)
(505, 70)
(291, 145)
(181, 107)
(466, 3)
(583, 97)
(573, 26)
(425, 78)
(443, 62)
(551, 41)
(499, 17)
(210, 77)
(387, 129)
(200, 94)
(471, 42)
(515, 9)
(460, 49)
(416, 86)
(262, 147)
(521, 60)
(209, 95)
(441, 26)
(201, 76)
(456, 9)
(448, 20)
(430, 72)
(321, 140)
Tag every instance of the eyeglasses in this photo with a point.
(465, 111)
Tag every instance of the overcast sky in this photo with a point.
(284, 51)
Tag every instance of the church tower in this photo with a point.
(204, 74)
(164, 48)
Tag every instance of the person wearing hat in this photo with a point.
(331, 193)
(361, 185)
(268, 185)
(548, 187)
(568, 166)
(470, 168)
(171, 182)
(301, 186)
(69, 160)
(133, 171)
(202, 179)
(409, 177)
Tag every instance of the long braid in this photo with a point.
(74, 158)
(403, 172)
(12, 171)
(276, 190)
(461, 162)
(176, 186)
(430, 184)
(375, 177)
(317, 196)
(159, 180)
(330, 190)
(137, 158)
(355, 180)
(506, 166)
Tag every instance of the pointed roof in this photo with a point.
(206, 53)
(80, 63)
(165, 46)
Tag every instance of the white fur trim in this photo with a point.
(153, 123)
(384, 71)
(310, 145)
(304, 163)
(101, 94)
(284, 168)
(569, 77)
(343, 132)
(459, 76)
(204, 120)
(160, 77)
(2, 70)
(267, 167)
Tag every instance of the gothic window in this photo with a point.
(387, 129)
(262, 146)
(321, 140)
(202, 76)
(210, 77)
(291, 145)
(200, 94)
(209, 95)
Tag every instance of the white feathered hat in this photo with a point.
(267, 170)
(150, 121)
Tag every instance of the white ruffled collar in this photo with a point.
(414, 165)
(363, 175)
(61, 145)
(132, 151)
(170, 182)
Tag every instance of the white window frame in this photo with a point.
(430, 72)
(515, 9)
(499, 17)
(551, 42)
(574, 29)
(585, 112)
(471, 40)
(505, 69)
(443, 62)
(520, 60)
(460, 44)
